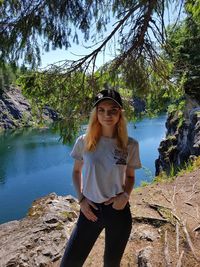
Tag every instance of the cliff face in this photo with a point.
(16, 111)
(182, 142)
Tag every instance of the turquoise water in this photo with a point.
(34, 163)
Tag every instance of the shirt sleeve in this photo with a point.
(78, 148)
(133, 159)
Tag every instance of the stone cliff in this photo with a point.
(182, 141)
(16, 111)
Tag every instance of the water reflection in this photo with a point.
(2, 176)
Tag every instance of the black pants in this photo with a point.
(117, 224)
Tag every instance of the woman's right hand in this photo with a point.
(85, 206)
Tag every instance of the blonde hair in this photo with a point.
(94, 132)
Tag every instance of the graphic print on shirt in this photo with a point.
(120, 156)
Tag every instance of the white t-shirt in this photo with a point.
(105, 168)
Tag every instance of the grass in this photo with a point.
(144, 183)
(171, 138)
(163, 177)
(188, 167)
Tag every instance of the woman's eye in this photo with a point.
(114, 111)
(100, 110)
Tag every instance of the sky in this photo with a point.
(75, 52)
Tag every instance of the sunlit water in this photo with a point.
(34, 163)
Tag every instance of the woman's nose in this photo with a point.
(108, 112)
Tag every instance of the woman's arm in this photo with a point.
(120, 201)
(77, 178)
(129, 181)
(85, 204)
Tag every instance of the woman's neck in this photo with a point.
(108, 132)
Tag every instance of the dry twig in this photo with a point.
(189, 240)
(169, 200)
(179, 264)
(177, 238)
(196, 228)
(166, 251)
(188, 203)
(159, 210)
(192, 216)
(197, 210)
(174, 195)
(192, 194)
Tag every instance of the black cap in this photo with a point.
(108, 94)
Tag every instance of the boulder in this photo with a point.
(40, 238)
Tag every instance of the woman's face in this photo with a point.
(108, 113)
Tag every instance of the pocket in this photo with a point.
(127, 206)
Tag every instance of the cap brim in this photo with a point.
(107, 97)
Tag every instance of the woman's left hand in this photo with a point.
(119, 201)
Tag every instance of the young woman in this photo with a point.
(103, 176)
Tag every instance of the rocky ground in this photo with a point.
(166, 229)
(166, 226)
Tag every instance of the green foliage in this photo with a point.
(177, 111)
(9, 73)
(7, 77)
(57, 22)
(193, 8)
(190, 166)
(31, 27)
(183, 46)
(172, 170)
(135, 72)
(23, 21)
(148, 83)
(178, 107)
(144, 183)
(162, 177)
(135, 76)
(70, 98)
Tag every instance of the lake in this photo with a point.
(34, 163)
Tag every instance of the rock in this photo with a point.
(16, 111)
(139, 105)
(14, 108)
(181, 142)
(40, 238)
(50, 113)
(155, 221)
(145, 232)
(144, 257)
